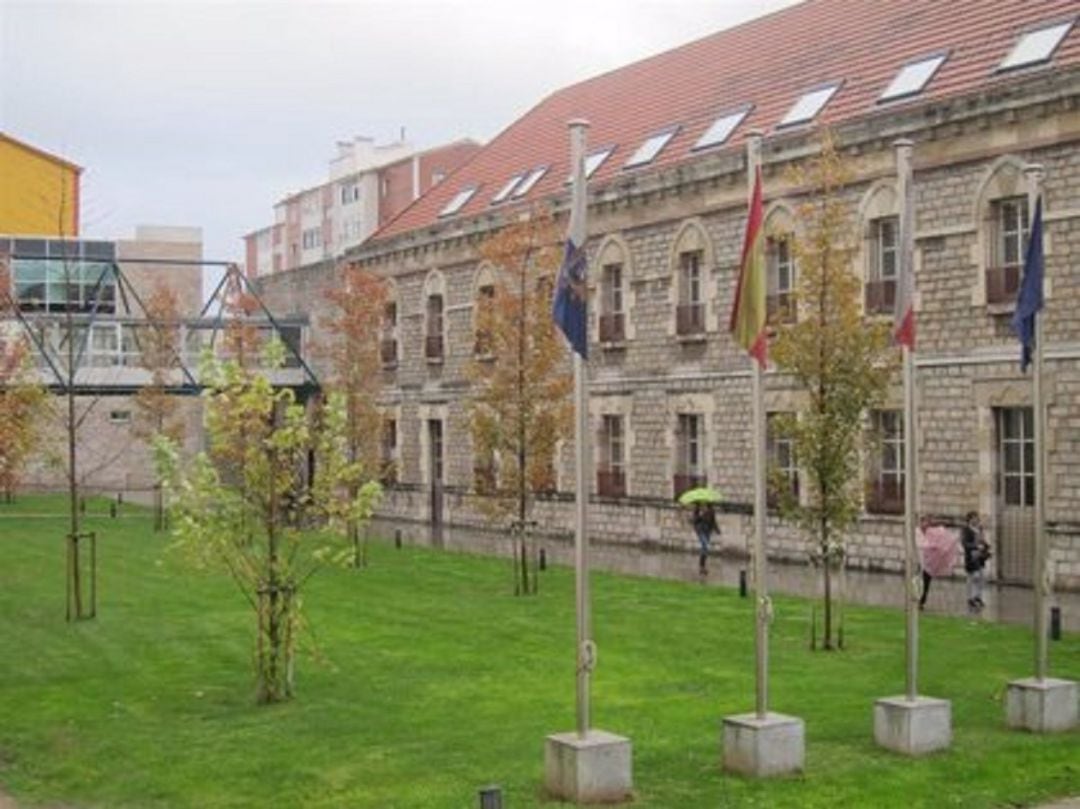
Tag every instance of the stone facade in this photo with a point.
(969, 155)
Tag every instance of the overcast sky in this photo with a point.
(205, 114)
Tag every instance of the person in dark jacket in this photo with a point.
(976, 554)
(704, 522)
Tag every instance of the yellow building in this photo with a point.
(39, 192)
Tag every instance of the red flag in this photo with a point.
(748, 314)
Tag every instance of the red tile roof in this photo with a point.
(769, 63)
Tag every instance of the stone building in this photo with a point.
(982, 87)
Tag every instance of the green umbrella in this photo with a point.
(700, 494)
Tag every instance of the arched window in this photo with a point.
(1002, 217)
(879, 221)
(780, 269)
(483, 301)
(692, 259)
(388, 339)
(612, 270)
(434, 317)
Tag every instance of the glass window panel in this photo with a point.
(1035, 46)
(527, 184)
(1012, 456)
(1029, 491)
(1029, 457)
(648, 151)
(809, 105)
(1012, 491)
(30, 269)
(913, 77)
(721, 129)
(507, 189)
(30, 248)
(458, 202)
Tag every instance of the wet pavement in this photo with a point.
(1004, 603)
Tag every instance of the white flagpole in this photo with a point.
(911, 480)
(1039, 578)
(761, 595)
(585, 652)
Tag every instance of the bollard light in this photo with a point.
(1055, 623)
(742, 584)
(491, 798)
(543, 559)
(397, 537)
(112, 509)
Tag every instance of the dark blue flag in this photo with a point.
(569, 308)
(1029, 301)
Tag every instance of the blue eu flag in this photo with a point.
(1029, 301)
(569, 308)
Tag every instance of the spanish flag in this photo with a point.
(748, 312)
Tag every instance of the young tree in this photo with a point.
(246, 504)
(359, 301)
(159, 344)
(21, 396)
(520, 405)
(843, 362)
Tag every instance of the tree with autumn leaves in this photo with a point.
(520, 405)
(352, 354)
(157, 408)
(843, 363)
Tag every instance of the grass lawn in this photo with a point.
(436, 681)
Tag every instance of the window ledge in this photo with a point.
(997, 309)
(613, 345)
(695, 337)
(484, 357)
(435, 360)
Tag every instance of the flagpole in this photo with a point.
(1040, 582)
(578, 129)
(904, 148)
(761, 596)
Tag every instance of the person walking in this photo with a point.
(976, 555)
(704, 522)
(937, 549)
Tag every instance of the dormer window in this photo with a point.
(913, 77)
(531, 179)
(648, 151)
(594, 161)
(721, 130)
(1035, 47)
(458, 202)
(507, 189)
(809, 105)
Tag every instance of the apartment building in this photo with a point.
(368, 184)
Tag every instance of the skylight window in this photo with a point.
(458, 202)
(593, 162)
(648, 151)
(505, 191)
(721, 129)
(809, 105)
(531, 179)
(1036, 46)
(913, 77)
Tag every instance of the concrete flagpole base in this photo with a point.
(762, 748)
(1042, 706)
(913, 727)
(595, 768)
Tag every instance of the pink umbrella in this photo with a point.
(938, 545)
